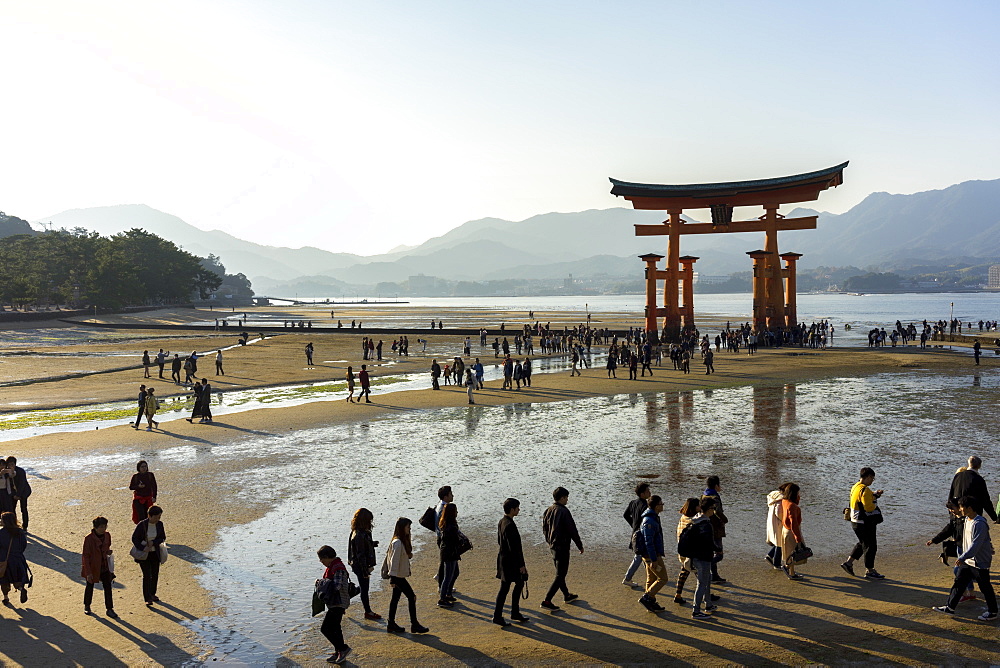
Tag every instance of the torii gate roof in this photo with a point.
(781, 190)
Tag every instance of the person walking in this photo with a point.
(206, 401)
(974, 560)
(361, 556)
(142, 406)
(709, 362)
(697, 542)
(175, 369)
(611, 366)
(13, 543)
(971, 483)
(574, 364)
(865, 518)
(350, 384)
(560, 530)
(633, 515)
(511, 569)
(96, 567)
(526, 371)
(20, 489)
(196, 408)
(435, 375)
(713, 489)
(977, 351)
(688, 511)
(143, 486)
(366, 387)
(152, 405)
(397, 567)
(452, 543)
(791, 529)
(652, 541)
(147, 538)
(337, 600)
(218, 364)
(480, 374)
(773, 526)
(470, 385)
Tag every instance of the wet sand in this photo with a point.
(764, 618)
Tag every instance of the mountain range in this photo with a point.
(962, 220)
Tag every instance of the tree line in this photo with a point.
(82, 268)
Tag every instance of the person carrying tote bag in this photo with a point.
(98, 565)
(147, 538)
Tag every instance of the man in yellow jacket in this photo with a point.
(865, 518)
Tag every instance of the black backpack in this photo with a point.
(427, 519)
(638, 543)
(687, 542)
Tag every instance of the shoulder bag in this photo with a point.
(137, 554)
(163, 553)
(427, 519)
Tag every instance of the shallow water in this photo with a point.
(914, 428)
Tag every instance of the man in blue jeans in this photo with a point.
(974, 560)
(633, 515)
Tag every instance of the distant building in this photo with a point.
(994, 278)
(705, 279)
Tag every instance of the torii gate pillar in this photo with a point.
(687, 288)
(760, 273)
(652, 310)
(791, 310)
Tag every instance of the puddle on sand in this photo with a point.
(914, 429)
(86, 418)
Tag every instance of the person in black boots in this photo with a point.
(510, 565)
(96, 550)
(560, 531)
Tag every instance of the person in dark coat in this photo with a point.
(361, 555)
(633, 515)
(970, 483)
(22, 490)
(560, 530)
(96, 550)
(142, 406)
(13, 543)
(206, 401)
(196, 409)
(149, 534)
(719, 520)
(510, 564)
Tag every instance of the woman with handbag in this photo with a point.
(452, 543)
(143, 486)
(361, 555)
(97, 565)
(147, 550)
(14, 567)
(511, 568)
(338, 598)
(791, 529)
(396, 569)
(865, 516)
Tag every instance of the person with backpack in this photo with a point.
(633, 515)
(697, 543)
(511, 568)
(396, 569)
(688, 512)
(652, 546)
(452, 543)
(152, 405)
(560, 530)
(974, 560)
(335, 588)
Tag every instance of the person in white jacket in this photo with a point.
(397, 561)
(773, 525)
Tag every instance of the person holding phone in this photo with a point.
(865, 518)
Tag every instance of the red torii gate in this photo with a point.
(773, 302)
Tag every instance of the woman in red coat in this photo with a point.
(96, 568)
(143, 486)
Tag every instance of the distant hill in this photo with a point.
(238, 255)
(12, 226)
(962, 221)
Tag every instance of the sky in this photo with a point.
(360, 126)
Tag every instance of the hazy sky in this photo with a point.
(358, 126)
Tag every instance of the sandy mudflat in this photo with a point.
(764, 619)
